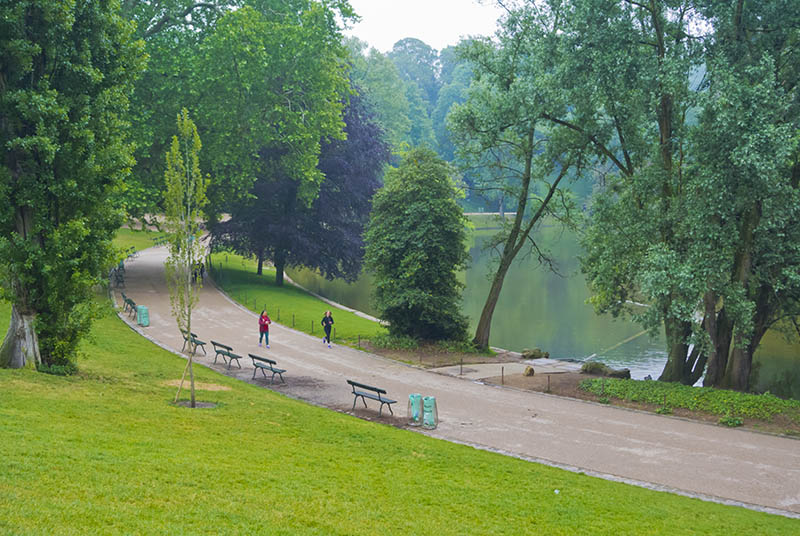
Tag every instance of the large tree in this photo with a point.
(273, 83)
(688, 107)
(173, 31)
(501, 129)
(273, 223)
(379, 81)
(418, 64)
(65, 79)
(415, 246)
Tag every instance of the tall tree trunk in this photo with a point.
(260, 269)
(21, 344)
(720, 330)
(677, 332)
(481, 339)
(280, 264)
(20, 347)
(737, 375)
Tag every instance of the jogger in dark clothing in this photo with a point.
(327, 322)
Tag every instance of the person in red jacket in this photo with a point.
(263, 328)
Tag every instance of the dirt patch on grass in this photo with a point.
(567, 384)
(198, 386)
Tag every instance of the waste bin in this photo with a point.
(430, 415)
(415, 409)
(142, 316)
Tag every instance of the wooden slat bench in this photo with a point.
(367, 391)
(226, 353)
(263, 364)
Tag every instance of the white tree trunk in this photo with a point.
(21, 346)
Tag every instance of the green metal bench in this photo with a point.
(226, 353)
(193, 342)
(263, 364)
(367, 391)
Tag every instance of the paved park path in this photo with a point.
(713, 462)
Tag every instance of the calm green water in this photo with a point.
(538, 308)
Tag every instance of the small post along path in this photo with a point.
(711, 462)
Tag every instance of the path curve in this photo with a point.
(727, 465)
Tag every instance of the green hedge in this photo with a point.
(715, 401)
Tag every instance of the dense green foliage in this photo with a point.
(67, 71)
(714, 401)
(325, 235)
(415, 244)
(105, 451)
(689, 112)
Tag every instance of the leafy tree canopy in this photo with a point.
(65, 79)
(415, 245)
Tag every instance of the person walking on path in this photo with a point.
(327, 322)
(263, 328)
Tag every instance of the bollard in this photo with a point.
(548, 383)
(334, 334)
(292, 319)
(359, 340)
(502, 375)
(279, 313)
(461, 369)
(312, 327)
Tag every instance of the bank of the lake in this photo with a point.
(540, 308)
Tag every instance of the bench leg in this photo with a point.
(281, 375)
(254, 373)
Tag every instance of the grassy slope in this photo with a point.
(105, 451)
(138, 239)
(239, 280)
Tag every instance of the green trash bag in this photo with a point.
(430, 415)
(415, 409)
(142, 316)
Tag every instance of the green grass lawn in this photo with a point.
(140, 240)
(287, 304)
(105, 452)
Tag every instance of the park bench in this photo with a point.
(226, 353)
(367, 391)
(131, 306)
(119, 278)
(263, 364)
(193, 342)
(124, 302)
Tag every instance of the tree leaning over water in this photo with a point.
(66, 74)
(415, 245)
(500, 129)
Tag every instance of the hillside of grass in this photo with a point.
(106, 451)
(286, 304)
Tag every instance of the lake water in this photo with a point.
(539, 308)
